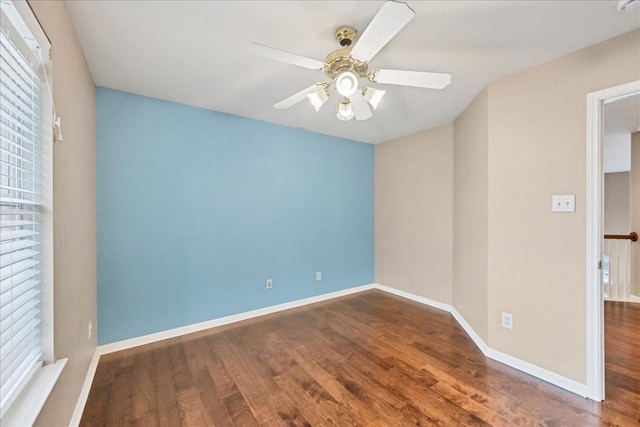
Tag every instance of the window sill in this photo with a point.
(27, 406)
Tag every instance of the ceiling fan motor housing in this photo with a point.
(346, 34)
(341, 60)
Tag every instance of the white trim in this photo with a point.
(594, 314)
(47, 245)
(84, 393)
(469, 330)
(172, 333)
(529, 368)
(632, 298)
(25, 409)
(407, 295)
(538, 372)
(439, 305)
(521, 365)
(28, 26)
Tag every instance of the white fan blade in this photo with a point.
(360, 107)
(300, 96)
(412, 78)
(388, 22)
(284, 56)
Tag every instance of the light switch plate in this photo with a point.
(566, 203)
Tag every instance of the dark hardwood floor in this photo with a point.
(622, 358)
(369, 359)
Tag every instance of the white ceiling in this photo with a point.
(621, 119)
(193, 52)
(622, 116)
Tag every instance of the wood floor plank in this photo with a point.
(215, 408)
(245, 342)
(431, 403)
(371, 393)
(97, 414)
(622, 359)
(282, 371)
(225, 385)
(402, 384)
(120, 406)
(368, 359)
(191, 408)
(258, 392)
(362, 414)
(370, 366)
(312, 390)
(166, 402)
(239, 410)
(144, 388)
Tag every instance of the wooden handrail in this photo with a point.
(633, 236)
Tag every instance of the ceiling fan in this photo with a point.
(345, 66)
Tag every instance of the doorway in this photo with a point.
(621, 201)
(597, 103)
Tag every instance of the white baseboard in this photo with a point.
(521, 365)
(632, 298)
(172, 333)
(538, 372)
(526, 367)
(84, 393)
(413, 297)
(470, 331)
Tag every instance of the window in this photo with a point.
(25, 201)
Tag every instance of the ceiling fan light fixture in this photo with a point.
(318, 98)
(347, 83)
(344, 111)
(345, 67)
(373, 96)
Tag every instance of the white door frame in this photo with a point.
(595, 306)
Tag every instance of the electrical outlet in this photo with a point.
(507, 320)
(269, 284)
(90, 329)
(318, 275)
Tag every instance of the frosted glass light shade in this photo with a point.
(347, 83)
(373, 96)
(318, 98)
(345, 112)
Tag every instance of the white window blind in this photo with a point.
(21, 206)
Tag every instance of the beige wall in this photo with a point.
(74, 212)
(414, 213)
(634, 192)
(537, 148)
(520, 141)
(616, 203)
(470, 198)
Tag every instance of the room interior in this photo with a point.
(184, 201)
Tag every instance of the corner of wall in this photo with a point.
(470, 239)
(413, 244)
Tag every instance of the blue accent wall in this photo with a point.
(197, 209)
